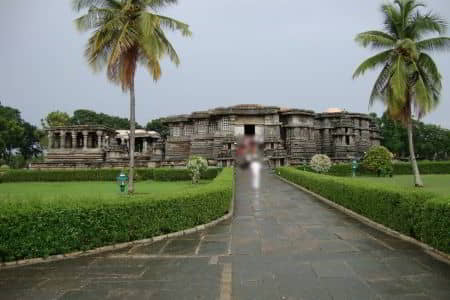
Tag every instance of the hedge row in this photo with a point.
(400, 168)
(419, 214)
(39, 230)
(425, 167)
(158, 174)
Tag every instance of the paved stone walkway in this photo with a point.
(281, 244)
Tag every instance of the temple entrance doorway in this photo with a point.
(249, 130)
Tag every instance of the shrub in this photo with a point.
(416, 213)
(320, 163)
(379, 160)
(425, 167)
(399, 168)
(42, 229)
(197, 166)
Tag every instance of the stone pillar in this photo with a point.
(85, 139)
(99, 139)
(50, 139)
(74, 139)
(62, 139)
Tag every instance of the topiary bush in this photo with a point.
(196, 165)
(320, 163)
(378, 160)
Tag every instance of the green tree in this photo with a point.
(158, 126)
(394, 135)
(19, 140)
(410, 79)
(11, 131)
(56, 118)
(30, 143)
(85, 117)
(125, 33)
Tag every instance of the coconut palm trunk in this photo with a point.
(132, 135)
(417, 180)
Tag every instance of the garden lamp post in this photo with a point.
(122, 181)
(354, 167)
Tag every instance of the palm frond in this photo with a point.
(376, 39)
(158, 4)
(379, 88)
(423, 101)
(373, 62)
(169, 49)
(94, 18)
(427, 63)
(392, 20)
(430, 76)
(421, 25)
(78, 5)
(399, 80)
(174, 25)
(126, 39)
(434, 44)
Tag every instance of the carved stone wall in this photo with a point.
(288, 136)
(291, 135)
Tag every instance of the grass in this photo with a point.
(86, 193)
(438, 184)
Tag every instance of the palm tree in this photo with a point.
(409, 80)
(125, 33)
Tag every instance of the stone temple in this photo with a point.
(289, 137)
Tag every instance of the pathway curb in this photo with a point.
(439, 255)
(109, 248)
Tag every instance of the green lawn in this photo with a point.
(439, 184)
(84, 193)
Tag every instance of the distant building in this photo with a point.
(289, 136)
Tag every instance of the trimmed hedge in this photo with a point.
(158, 174)
(400, 168)
(425, 167)
(42, 229)
(419, 214)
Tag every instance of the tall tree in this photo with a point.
(409, 80)
(56, 118)
(158, 126)
(125, 33)
(17, 137)
(84, 117)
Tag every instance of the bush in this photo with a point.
(378, 160)
(197, 166)
(42, 229)
(399, 168)
(171, 174)
(425, 167)
(416, 213)
(320, 163)
(158, 174)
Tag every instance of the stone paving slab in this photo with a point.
(281, 244)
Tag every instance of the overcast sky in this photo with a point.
(285, 53)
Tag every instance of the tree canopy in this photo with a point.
(17, 137)
(86, 117)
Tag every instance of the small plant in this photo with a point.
(197, 166)
(320, 163)
(379, 160)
